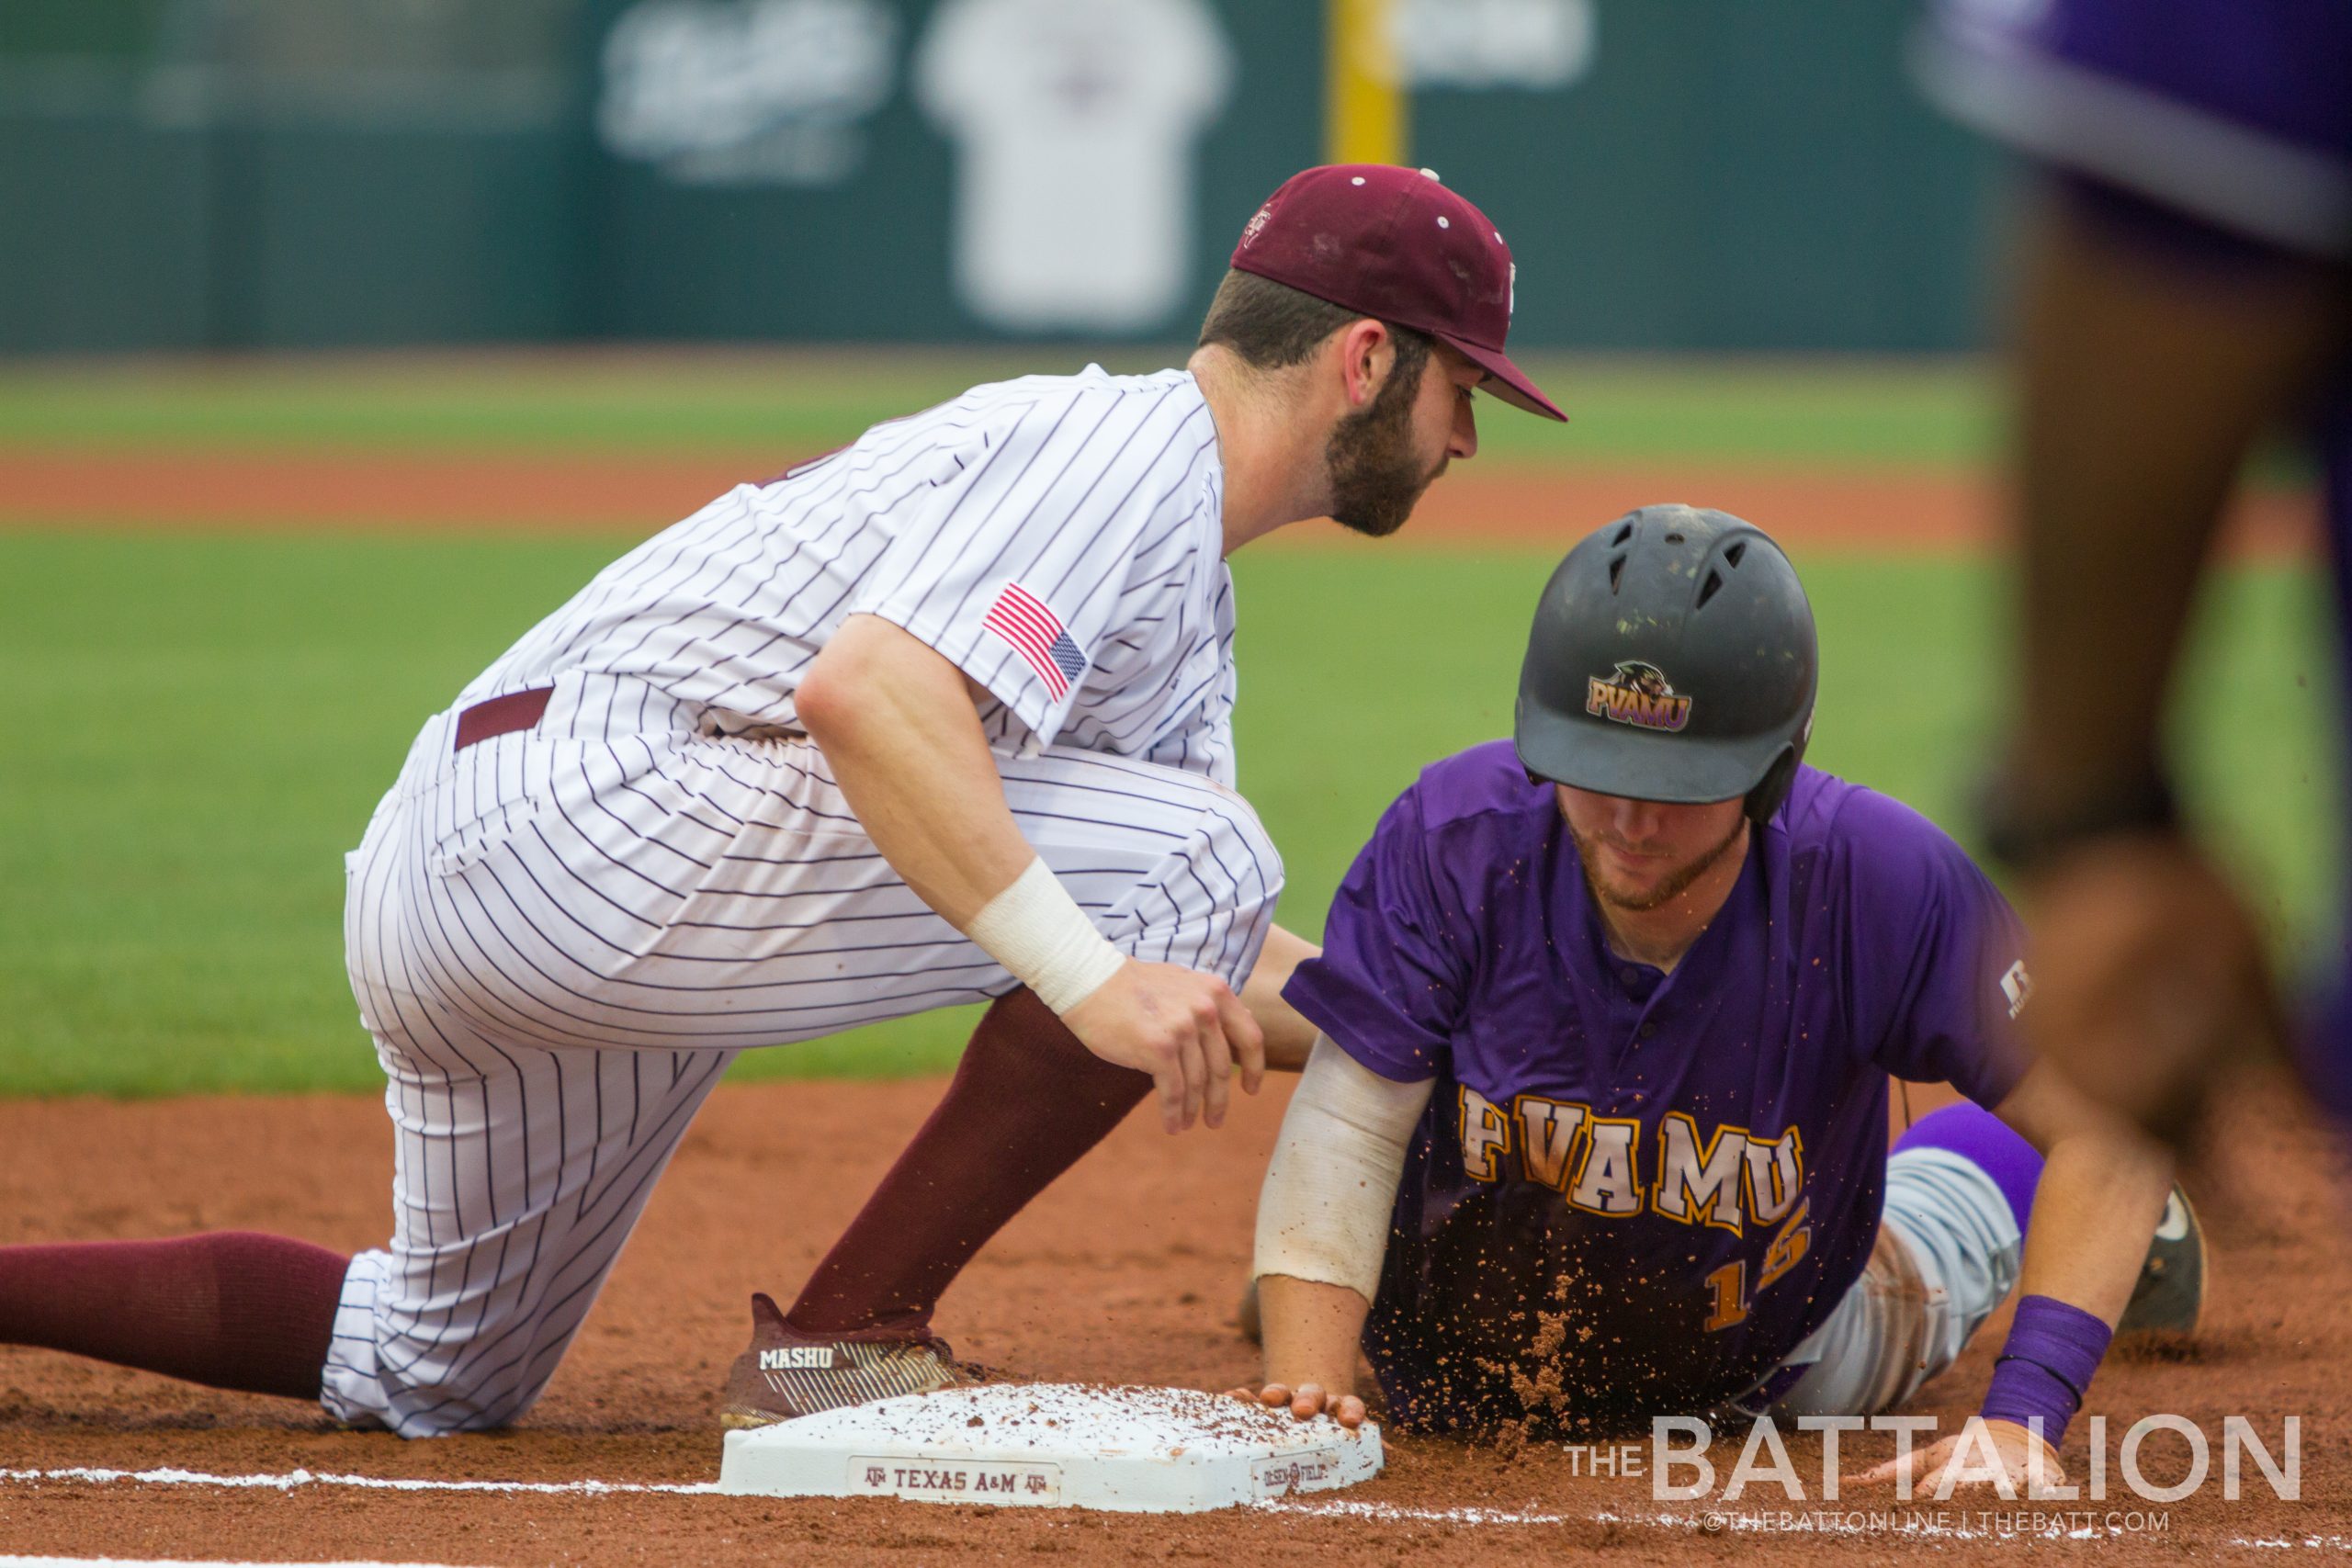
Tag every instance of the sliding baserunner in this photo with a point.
(1597, 1128)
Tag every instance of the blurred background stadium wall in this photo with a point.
(242, 559)
(1692, 175)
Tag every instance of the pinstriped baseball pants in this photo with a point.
(559, 942)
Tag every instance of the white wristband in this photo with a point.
(1043, 939)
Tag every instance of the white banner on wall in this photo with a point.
(1537, 44)
(747, 91)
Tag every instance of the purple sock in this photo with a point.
(1985, 1140)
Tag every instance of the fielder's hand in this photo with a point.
(1939, 1470)
(1186, 1029)
(1308, 1401)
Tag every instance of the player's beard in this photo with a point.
(1376, 475)
(1666, 889)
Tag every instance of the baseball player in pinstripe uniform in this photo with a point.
(943, 717)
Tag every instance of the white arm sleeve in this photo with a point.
(1323, 1214)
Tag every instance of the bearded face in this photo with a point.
(1640, 856)
(1376, 472)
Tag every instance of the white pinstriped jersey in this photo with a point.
(560, 936)
(1058, 538)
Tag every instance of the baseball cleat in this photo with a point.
(787, 1373)
(2170, 1295)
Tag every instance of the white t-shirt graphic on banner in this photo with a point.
(1075, 122)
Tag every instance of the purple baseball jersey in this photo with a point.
(1654, 1184)
(2215, 132)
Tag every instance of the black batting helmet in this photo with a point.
(1672, 660)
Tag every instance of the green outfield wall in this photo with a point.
(1701, 175)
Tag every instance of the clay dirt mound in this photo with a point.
(1129, 1271)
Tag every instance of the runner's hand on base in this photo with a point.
(1306, 1402)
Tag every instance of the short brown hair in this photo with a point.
(1271, 326)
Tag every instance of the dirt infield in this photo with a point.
(1127, 1271)
(765, 1179)
(1846, 509)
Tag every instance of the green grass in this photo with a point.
(197, 730)
(1778, 411)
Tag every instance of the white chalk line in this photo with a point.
(1822, 1521)
(1873, 1522)
(288, 1481)
(1816, 1521)
(184, 1563)
(2320, 1542)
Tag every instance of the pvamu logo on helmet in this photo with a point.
(1638, 695)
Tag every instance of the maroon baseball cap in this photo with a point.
(1396, 244)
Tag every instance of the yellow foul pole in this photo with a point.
(1366, 113)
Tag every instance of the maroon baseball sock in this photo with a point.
(1026, 1102)
(234, 1309)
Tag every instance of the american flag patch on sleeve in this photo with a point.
(1021, 619)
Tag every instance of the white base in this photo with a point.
(1136, 1450)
